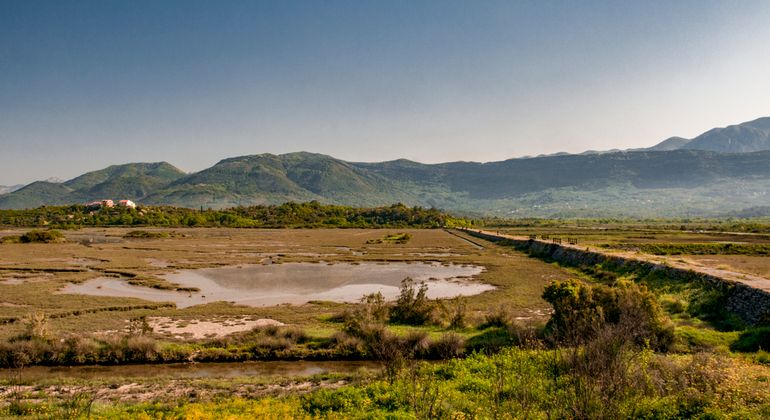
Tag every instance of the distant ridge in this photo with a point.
(751, 136)
(4, 189)
(671, 143)
(131, 181)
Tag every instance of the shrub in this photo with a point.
(755, 339)
(372, 311)
(140, 348)
(416, 344)
(581, 311)
(144, 234)
(42, 236)
(457, 313)
(498, 317)
(81, 350)
(348, 345)
(449, 346)
(388, 349)
(36, 326)
(413, 306)
(326, 401)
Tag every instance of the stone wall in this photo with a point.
(750, 304)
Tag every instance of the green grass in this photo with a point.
(396, 238)
(695, 249)
(753, 340)
(695, 339)
(144, 234)
(515, 383)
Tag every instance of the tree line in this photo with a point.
(288, 215)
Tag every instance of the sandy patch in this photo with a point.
(154, 262)
(194, 328)
(84, 262)
(15, 278)
(12, 281)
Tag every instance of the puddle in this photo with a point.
(295, 283)
(198, 370)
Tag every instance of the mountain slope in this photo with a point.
(671, 143)
(267, 178)
(751, 136)
(134, 180)
(36, 194)
(4, 189)
(674, 169)
(748, 137)
(131, 181)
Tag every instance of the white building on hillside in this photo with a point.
(127, 203)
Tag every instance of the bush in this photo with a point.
(348, 345)
(326, 401)
(413, 306)
(144, 234)
(499, 317)
(388, 349)
(41, 236)
(372, 311)
(449, 346)
(755, 339)
(581, 311)
(457, 313)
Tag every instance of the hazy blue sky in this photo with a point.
(86, 84)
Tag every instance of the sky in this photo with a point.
(87, 84)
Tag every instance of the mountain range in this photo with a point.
(723, 170)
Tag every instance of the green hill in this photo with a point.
(272, 179)
(130, 181)
(36, 194)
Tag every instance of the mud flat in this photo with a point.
(295, 283)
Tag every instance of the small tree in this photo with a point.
(36, 326)
(413, 306)
(372, 311)
(456, 312)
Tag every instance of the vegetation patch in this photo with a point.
(36, 236)
(396, 238)
(695, 249)
(159, 283)
(753, 340)
(144, 234)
